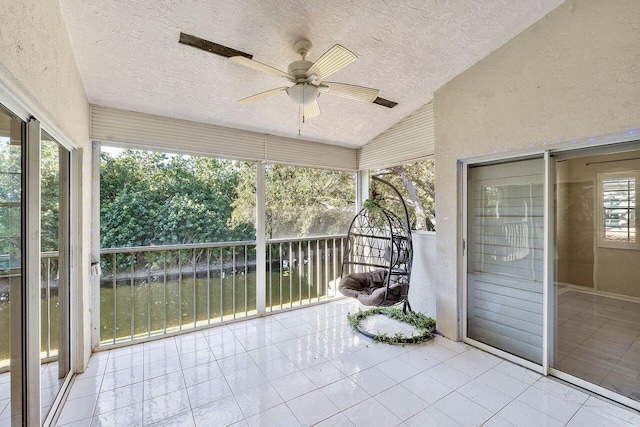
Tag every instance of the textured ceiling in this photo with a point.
(129, 57)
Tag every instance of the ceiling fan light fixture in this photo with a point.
(303, 93)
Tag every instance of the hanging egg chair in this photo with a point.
(376, 269)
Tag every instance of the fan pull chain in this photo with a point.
(299, 124)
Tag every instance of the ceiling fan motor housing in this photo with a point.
(298, 69)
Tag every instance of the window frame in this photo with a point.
(600, 225)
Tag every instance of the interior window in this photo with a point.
(617, 222)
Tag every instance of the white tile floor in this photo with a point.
(599, 340)
(307, 367)
(50, 386)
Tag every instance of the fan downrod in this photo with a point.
(302, 47)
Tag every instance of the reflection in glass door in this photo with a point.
(11, 265)
(54, 222)
(598, 269)
(505, 257)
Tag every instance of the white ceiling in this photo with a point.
(129, 57)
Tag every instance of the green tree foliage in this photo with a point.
(10, 195)
(416, 184)
(150, 198)
(50, 194)
(301, 201)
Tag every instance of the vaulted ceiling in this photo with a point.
(129, 56)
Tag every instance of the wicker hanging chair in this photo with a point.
(376, 269)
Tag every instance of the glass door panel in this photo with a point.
(11, 277)
(54, 260)
(597, 269)
(505, 241)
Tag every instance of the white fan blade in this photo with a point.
(261, 67)
(334, 59)
(311, 110)
(262, 95)
(358, 93)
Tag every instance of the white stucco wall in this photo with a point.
(422, 295)
(573, 74)
(38, 66)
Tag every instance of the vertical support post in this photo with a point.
(362, 188)
(31, 293)
(64, 264)
(464, 262)
(261, 248)
(95, 244)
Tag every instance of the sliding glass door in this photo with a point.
(12, 136)
(553, 265)
(505, 244)
(34, 270)
(598, 269)
(54, 268)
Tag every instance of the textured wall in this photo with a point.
(36, 51)
(37, 61)
(573, 74)
(422, 294)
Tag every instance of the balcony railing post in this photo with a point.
(300, 271)
(115, 296)
(233, 280)
(333, 273)
(280, 271)
(309, 269)
(221, 284)
(133, 300)
(246, 311)
(290, 274)
(48, 302)
(270, 279)
(195, 273)
(179, 290)
(326, 268)
(164, 295)
(318, 269)
(208, 286)
(148, 294)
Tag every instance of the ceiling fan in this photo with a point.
(306, 79)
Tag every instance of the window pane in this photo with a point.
(619, 209)
(416, 184)
(154, 199)
(308, 202)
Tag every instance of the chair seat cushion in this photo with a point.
(370, 287)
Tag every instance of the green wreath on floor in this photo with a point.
(424, 323)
